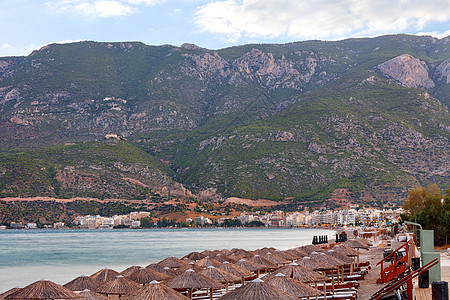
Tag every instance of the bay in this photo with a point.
(62, 255)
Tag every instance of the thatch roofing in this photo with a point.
(222, 258)
(192, 280)
(105, 275)
(219, 275)
(208, 261)
(211, 253)
(297, 252)
(235, 270)
(356, 244)
(252, 267)
(226, 252)
(257, 259)
(155, 291)
(82, 283)
(143, 276)
(243, 253)
(275, 259)
(119, 286)
(364, 241)
(9, 292)
(128, 271)
(310, 248)
(194, 256)
(235, 257)
(286, 255)
(91, 295)
(190, 265)
(346, 250)
(302, 274)
(340, 256)
(292, 286)
(43, 289)
(257, 289)
(172, 262)
(328, 259)
(315, 265)
(268, 249)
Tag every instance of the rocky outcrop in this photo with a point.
(408, 70)
(443, 71)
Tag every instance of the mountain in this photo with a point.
(294, 121)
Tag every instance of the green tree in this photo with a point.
(414, 203)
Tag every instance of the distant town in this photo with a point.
(326, 218)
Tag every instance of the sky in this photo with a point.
(27, 25)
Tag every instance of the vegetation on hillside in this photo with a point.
(431, 209)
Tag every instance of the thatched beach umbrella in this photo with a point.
(310, 248)
(144, 276)
(286, 255)
(257, 259)
(226, 252)
(340, 256)
(235, 256)
(314, 265)
(257, 289)
(105, 275)
(194, 256)
(190, 280)
(331, 261)
(250, 266)
(43, 289)
(243, 253)
(347, 250)
(220, 275)
(190, 265)
(208, 261)
(172, 262)
(297, 252)
(292, 286)
(130, 270)
(356, 244)
(210, 253)
(82, 283)
(119, 286)
(236, 270)
(164, 270)
(155, 291)
(299, 273)
(222, 258)
(9, 292)
(275, 259)
(91, 295)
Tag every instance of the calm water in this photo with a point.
(62, 255)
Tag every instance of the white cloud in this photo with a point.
(100, 8)
(323, 19)
(436, 34)
(6, 46)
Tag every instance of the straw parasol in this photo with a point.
(210, 253)
(235, 270)
(222, 258)
(286, 255)
(128, 271)
(332, 261)
(275, 259)
(257, 289)
(105, 275)
(268, 249)
(190, 265)
(315, 265)
(302, 274)
(119, 286)
(82, 283)
(243, 253)
(340, 256)
(208, 261)
(143, 276)
(194, 256)
(43, 289)
(172, 262)
(220, 275)
(155, 291)
(9, 292)
(262, 261)
(292, 286)
(190, 280)
(346, 250)
(310, 248)
(235, 256)
(364, 241)
(226, 252)
(90, 295)
(356, 244)
(297, 252)
(250, 266)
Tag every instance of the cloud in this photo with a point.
(6, 46)
(324, 19)
(439, 35)
(100, 8)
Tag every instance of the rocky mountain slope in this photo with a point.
(290, 121)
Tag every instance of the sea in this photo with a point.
(62, 255)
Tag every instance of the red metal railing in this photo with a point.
(397, 267)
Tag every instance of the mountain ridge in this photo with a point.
(297, 120)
